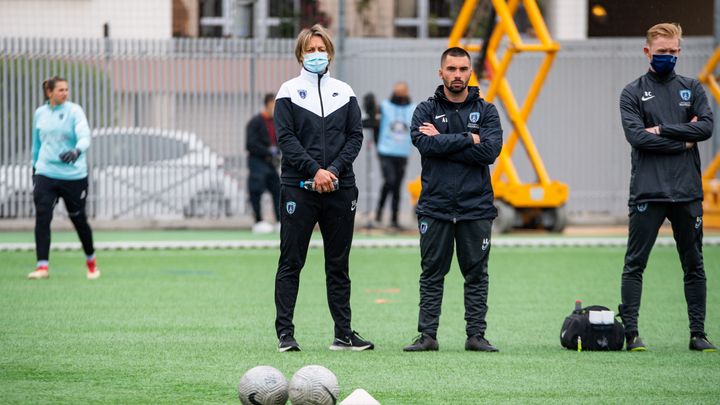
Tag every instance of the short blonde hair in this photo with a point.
(304, 37)
(666, 30)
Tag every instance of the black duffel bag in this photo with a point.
(595, 337)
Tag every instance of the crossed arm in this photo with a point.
(700, 126)
(654, 139)
(476, 149)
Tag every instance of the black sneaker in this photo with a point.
(287, 343)
(478, 343)
(701, 343)
(354, 342)
(633, 343)
(423, 343)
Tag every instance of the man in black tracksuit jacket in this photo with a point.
(319, 128)
(263, 161)
(458, 135)
(664, 115)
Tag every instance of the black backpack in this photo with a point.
(592, 337)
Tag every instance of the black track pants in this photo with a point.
(645, 221)
(393, 170)
(263, 176)
(46, 193)
(335, 213)
(436, 248)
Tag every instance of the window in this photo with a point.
(440, 8)
(406, 32)
(259, 18)
(281, 8)
(211, 18)
(425, 18)
(281, 21)
(222, 18)
(441, 16)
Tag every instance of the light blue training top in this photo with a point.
(57, 130)
(395, 120)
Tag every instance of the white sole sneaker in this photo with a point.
(38, 275)
(262, 228)
(350, 348)
(94, 275)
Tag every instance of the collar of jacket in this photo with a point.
(657, 77)
(313, 77)
(473, 95)
(57, 106)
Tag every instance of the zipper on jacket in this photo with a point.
(456, 207)
(322, 121)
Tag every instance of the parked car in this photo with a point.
(16, 199)
(142, 173)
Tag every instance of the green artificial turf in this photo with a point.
(183, 326)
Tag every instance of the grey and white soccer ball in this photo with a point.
(314, 385)
(263, 385)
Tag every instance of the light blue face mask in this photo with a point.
(315, 62)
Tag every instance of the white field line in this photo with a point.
(360, 243)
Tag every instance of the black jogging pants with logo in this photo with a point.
(300, 211)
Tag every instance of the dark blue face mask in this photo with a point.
(663, 64)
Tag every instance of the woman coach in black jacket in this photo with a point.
(318, 122)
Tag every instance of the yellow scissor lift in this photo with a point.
(711, 184)
(541, 203)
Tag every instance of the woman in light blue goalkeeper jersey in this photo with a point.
(60, 140)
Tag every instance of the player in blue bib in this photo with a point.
(393, 147)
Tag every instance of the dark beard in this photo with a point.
(451, 90)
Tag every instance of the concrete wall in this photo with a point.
(150, 19)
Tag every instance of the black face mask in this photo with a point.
(399, 100)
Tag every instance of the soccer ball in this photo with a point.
(263, 385)
(314, 385)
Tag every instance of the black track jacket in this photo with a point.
(455, 175)
(663, 170)
(257, 141)
(318, 124)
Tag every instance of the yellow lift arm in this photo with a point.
(531, 204)
(711, 184)
(539, 204)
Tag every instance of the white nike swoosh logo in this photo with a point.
(439, 116)
(643, 98)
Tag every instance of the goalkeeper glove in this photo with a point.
(70, 156)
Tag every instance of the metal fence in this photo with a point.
(168, 117)
(168, 120)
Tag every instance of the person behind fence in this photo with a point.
(664, 116)
(459, 136)
(318, 121)
(60, 140)
(263, 162)
(393, 147)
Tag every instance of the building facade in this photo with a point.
(86, 19)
